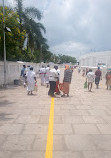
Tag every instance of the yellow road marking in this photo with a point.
(49, 146)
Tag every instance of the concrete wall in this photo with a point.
(13, 70)
(92, 59)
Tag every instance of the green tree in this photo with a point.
(13, 37)
(27, 17)
(66, 59)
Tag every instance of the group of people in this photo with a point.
(29, 78)
(50, 78)
(97, 76)
(91, 76)
(54, 79)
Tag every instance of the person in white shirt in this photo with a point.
(57, 81)
(42, 73)
(30, 80)
(90, 78)
(52, 81)
(47, 76)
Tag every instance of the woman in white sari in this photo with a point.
(30, 80)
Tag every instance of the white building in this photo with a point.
(93, 59)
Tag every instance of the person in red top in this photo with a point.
(98, 76)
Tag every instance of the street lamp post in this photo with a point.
(41, 53)
(4, 46)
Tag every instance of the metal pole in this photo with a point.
(41, 54)
(4, 46)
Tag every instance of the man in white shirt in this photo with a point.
(52, 81)
(90, 77)
(57, 81)
(42, 73)
(47, 76)
(31, 80)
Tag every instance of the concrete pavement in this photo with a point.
(82, 122)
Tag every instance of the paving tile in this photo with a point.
(62, 129)
(35, 129)
(85, 129)
(104, 128)
(18, 143)
(8, 129)
(79, 112)
(59, 143)
(66, 106)
(58, 119)
(88, 142)
(97, 112)
(97, 154)
(28, 154)
(7, 118)
(72, 119)
(79, 142)
(93, 119)
(40, 143)
(27, 119)
(2, 139)
(66, 154)
(40, 112)
(43, 119)
(107, 119)
(61, 112)
(5, 154)
(83, 107)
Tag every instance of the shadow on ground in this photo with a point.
(4, 117)
(5, 103)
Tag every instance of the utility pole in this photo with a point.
(4, 46)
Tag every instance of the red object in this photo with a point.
(61, 86)
(108, 76)
(57, 87)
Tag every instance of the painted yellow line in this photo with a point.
(49, 146)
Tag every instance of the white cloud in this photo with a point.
(84, 23)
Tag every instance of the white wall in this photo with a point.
(92, 59)
(13, 71)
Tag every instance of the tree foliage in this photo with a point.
(23, 27)
(13, 37)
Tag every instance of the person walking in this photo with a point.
(23, 74)
(57, 81)
(47, 76)
(98, 76)
(67, 80)
(90, 78)
(42, 75)
(108, 79)
(30, 80)
(52, 81)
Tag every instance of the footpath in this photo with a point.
(81, 127)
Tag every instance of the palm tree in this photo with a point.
(33, 29)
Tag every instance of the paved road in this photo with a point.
(82, 122)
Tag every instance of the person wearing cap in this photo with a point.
(22, 75)
(52, 81)
(30, 80)
(98, 76)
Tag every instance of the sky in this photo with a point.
(75, 27)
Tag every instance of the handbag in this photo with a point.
(36, 87)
